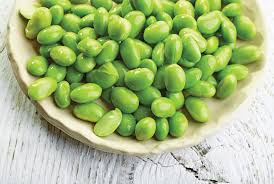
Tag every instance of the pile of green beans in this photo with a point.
(152, 61)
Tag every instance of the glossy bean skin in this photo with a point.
(215, 4)
(156, 32)
(37, 65)
(145, 129)
(145, 50)
(105, 76)
(159, 81)
(185, 63)
(168, 7)
(142, 112)
(127, 125)
(246, 29)
(44, 50)
(91, 112)
(73, 75)
(82, 10)
(50, 35)
(42, 88)
(108, 123)
(122, 70)
(198, 109)
(56, 72)
(101, 20)
(158, 54)
(212, 81)
(162, 16)
(209, 23)
(178, 124)
(126, 7)
(207, 65)
(227, 86)
(162, 129)
(79, 1)
(139, 79)
(238, 70)
(223, 56)
(246, 54)
(183, 7)
(137, 20)
(150, 20)
(202, 89)
(177, 98)
(75, 85)
(86, 93)
(87, 32)
(107, 4)
(191, 51)
(109, 52)
(40, 19)
(193, 76)
(173, 49)
(157, 7)
(62, 95)
(116, 10)
(184, 21)
(228, 31)
(57, 13)
(84, 64)
(212, 45)
(163, 107)
(71, 39)
(148, 95)
(149, 64)
(130, 53)
(119, 28)
(66, 4)
(124, 99)
(71, 23)
(201, 7)
(63, 55)
(174, 78)
(87, 21)
(145, 6)
(90, 47)
(232, 10)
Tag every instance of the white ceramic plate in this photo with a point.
(222, 112)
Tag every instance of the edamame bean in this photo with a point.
(89, 112)
(184, 21)
(87, 32)
(109, 52)
(56, 72)
(145, 50)
(145, 129)
(183, 7)
(191, 51)
(174, 78)
(227, 86)
(238, 70)
(157, 7)
(75, 85)
(232, 10)
(149, 64)
(130, 53)
(89, 47)
(162, 16)
(177, 98)
(202, 89)
(121, 69)
(212, 45)
(108, 123)
(193, 76)
(87, 21)
(145, 6)
(126, 7)
(79, 1)
(63, 55)
(228, 31)
(156, 32)
(50, 35)
(82, 10)
(57, 13)
(162, 129)
(150, 20)
(215, 4)
(158, 54)
(40, 19)
(86, 93)
(209, 23)
(71, 40)
(246, 54)
(127, 125)
(100, 23)
(185, 63)
(246, 29)
(42, 88)
(116, 10)
(37, 65)
(207, 65)
(163, 107)
(44, 50)
(62, 95)
(66, 4)
(198, 109)
(173, 49)
(178, 124)
(212, 81)
(71, 23)
(139, 79)
(168, 7)
(148, 95)
(223, 56)
(142, 112)
(73, 75)
(107, 4)
(106, 95)
(124, 99)
(119, 28)
(201, 7)
(159, 81)
(137, 20)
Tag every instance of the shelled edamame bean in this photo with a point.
(147, 59)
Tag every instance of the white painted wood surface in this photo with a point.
(33, 151)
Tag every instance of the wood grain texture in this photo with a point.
(33, 151)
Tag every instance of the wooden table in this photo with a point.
(33, 151)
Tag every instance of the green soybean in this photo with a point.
(116, 10)
(107, 4)
(86, 93)
(223, 56)
(207, 65)
(162, 16)
(228, 31)
(90, 47)
(212, 81)
(119, 28)
(202, 89)
(121, 69)
(63, 55)
(209, 23)
(87, 32)
(201, 7)
(130, 53)
(44, 50)
(148, 95)
(82, 10)
(212, 45)
(246, 54)
(198, 109)
(177, 98)
(37, 65)
(50, 35)
(238, 70)
(163, 107)
(159, 81)
(232, 10)
(62, 95)
(215, 4)
(145, 129)
(84, 64)
(71, 23)
(246, 29)
(173, 49)
(57, 13)
(150, 20)
(145, 50)
(162, 129)
(145, 6)
(193, 76)
(101, 19)
(168, 7)
(184, 21)
(156, 32)
(142, 112)
(137, 20)
(227, 86)
(109, 52)
(127, 125)
(71, 39)
(56, 72)
(139, 79)
(89, 112)
(191, 51)
(87, 21)
(149, 64)
(73, 75)
(158, 54)
(183, 7)
(178, 124)
(174, 78)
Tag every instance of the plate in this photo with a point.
(222, 112)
